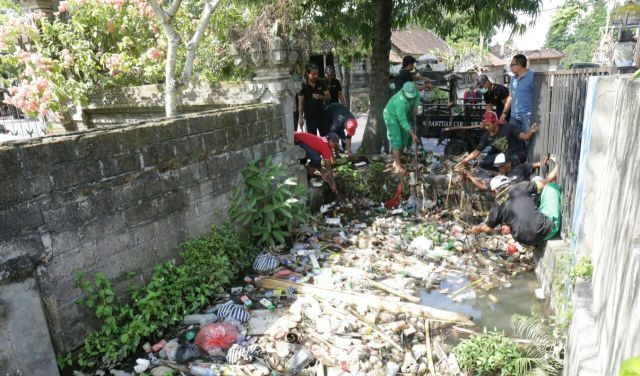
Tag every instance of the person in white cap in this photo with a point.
(515, 206)
(521, 172)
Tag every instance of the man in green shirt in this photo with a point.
(396, 112)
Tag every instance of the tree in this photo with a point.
(480, 15)
(575, 30)
(167, 20)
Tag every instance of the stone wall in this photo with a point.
(605, 328)
(119, 199)
(138, 103)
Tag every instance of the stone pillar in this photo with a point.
(274, 60)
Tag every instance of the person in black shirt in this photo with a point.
(406, 74)
(515, 207)
(341, 122)
(335, 88)
(495, 96)
(311, 99)
(506, 138)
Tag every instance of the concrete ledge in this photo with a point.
(547, 265)
(24, 333)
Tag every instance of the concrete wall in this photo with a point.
(606, 325)
(119, 200)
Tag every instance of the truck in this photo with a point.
(457, 126)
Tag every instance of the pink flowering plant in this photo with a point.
(55, 63)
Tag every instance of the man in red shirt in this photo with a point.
(319, 154)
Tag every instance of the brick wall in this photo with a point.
(120, 199)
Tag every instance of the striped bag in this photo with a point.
(234, 312)
(242, 355)
(265, 263)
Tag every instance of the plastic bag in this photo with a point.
(218, 336)
(187, 352)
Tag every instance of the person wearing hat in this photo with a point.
(495, 96)
(335, 88)
(341, 122)
(517, 174)
(507, 138)
(395, 115)
(523, 171)
(319, 155)
(515, 206)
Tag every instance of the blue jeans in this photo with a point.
(315, 159)
(525, 125)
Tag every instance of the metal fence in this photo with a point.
(14, 123)
(560, 100)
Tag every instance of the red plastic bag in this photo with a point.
(218, 336)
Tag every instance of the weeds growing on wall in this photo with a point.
(269, 205)
(173, 291)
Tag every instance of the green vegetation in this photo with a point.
(543, 353)
(630, 367)
(268, 205)
(173, 291)
(371, 182)
(583, 269)
(488, 355)
(575, 30)
(491, 354)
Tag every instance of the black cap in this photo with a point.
(482, 79)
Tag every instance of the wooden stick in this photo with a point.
(383, 287)
(466, 287)
(380, 286)
(432, 369)
(446, 202)
(370, 301)
(385, 337)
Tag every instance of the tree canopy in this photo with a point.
(575, 30)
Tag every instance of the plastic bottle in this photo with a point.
(299, 361)
(203, 371)
(392, 368)
(200, 319)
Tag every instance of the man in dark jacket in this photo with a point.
(515, 206)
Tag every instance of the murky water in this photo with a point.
(493, 312)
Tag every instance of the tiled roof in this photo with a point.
(540, 54)
(492, 60)
(394, 58)
(417, 42)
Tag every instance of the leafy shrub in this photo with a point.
(268, 205)
(371, 182)
(172, 292)
(488, 355)
(583, 269)
(543, 354)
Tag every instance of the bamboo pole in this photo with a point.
(432, 369)
(381, 286)
(370, 301)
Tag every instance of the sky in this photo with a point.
(534, 37)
